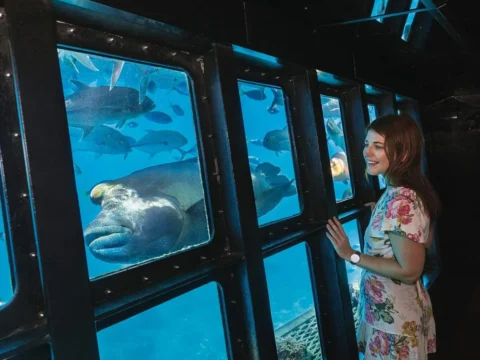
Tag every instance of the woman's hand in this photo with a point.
(339, 239)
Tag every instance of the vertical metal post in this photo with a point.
(53, 195)
(237, 192)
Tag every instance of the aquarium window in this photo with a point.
(353, 272)
(187, 327)
(6, 278)
(291, 303)
(134, 147)
(379, 8)
(269, 144)
(337, 148)
(372, 115)
(409, 22)
(372, 112)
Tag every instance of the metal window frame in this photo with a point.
(27, 305)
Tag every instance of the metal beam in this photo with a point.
(442, 20)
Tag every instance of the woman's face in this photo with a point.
(374, 154)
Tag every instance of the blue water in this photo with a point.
(6, 288)
(379, 8)
(262, 115)
(408, 23)
(337, 148)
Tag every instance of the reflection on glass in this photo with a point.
(353, 271)
(379, 8)
(187, 327)
(138, 178)
(6, 285)
(270, 151)
(337, 150)
(372, 115)
(408, 23)
(291, 302)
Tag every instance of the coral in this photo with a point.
(289, 349)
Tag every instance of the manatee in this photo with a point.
(161, 209)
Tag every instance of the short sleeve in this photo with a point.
(404, 215)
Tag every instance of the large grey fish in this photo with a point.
(153, 79)
(275, 140)
(92, 106)
(156, 141)
(102, 140)
(160, 210)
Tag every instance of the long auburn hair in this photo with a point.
(404, 150)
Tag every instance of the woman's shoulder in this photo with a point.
(402, 192)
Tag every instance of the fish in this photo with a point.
(181, 87)
(335, 133)
(158, 117)
(277, 100)
(116, 71)
(161, 209)
(253, 160)
(78, 170)
(256, 94)
(177, 109)
(275, 140)
(103, 140)
(347, 194)
(72, 58)
(153, 79)
(132, 124)
(339, 167)
(92, 106)
(156, 141)
(192, 151)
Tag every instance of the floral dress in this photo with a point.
(396, 320)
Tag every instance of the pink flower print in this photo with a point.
(407, 193)
(373, 289)
(398, 207)
(404, 352)
(369, 316)
(405, 220)
(377, 222)
(432, 345)
(380, 345)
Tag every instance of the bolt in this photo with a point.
(176, 267)
(110, 40)
(15, 134)
(24, 195)
(108, 291)
(41, 315)
(145, 278)
(71, 30)
(8, 74)
(145, 47)
(33, 255)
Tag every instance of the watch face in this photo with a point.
(355, 258)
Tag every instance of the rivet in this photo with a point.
(145, 278)
(232, 275)
(302, 164)
(174, 54)
(71, 30)
(210, 135)
(299, 223)
(277, 77)
(108, 291)
(220, 211)
(15, 134)
(239, 340)
(233, 302)
(243, 257)
(110, 39)
(41, 315)
(145, 47)
(307, 191)
(8, 74)
(33, 255)
(24, 195)
(1, 14)
(285, 228)
(263, 74)
(271, 234)
(203, 258)
(204, 97)
(306, 7)
(176, 267)
(247, 69)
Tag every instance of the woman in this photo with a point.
(395, 313)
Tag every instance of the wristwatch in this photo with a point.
(355, 257)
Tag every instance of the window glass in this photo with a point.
(187, 327)
(134, 148)
(269, 151)
(337, 148)
(379, 8)
(353, 272)
(408, 23)
(6, 283)
(291, 303)
(372, 114)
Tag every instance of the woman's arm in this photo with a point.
(407, 266)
